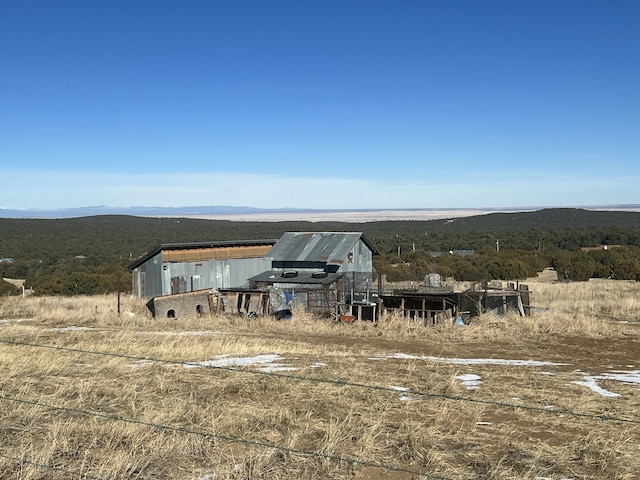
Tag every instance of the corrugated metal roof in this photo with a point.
(329, 247)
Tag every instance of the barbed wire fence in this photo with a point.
(254, 443)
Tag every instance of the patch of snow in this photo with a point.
(318, 365)
(546, 373)
(191, 333)
(470, 380)
(631, 377)
(592, 383)
(9, 321)
(549, 478)
(403, 397)
(399, 389)
(278, 367)
(628, 377)
(71, 328)
(470, 361)
(141, 363)
(227, 361)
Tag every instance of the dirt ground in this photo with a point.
(577, 352)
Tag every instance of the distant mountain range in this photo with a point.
(135, 211)
(221, 211)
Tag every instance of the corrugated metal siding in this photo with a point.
(214, 274)
(242, 269)
(152, 277)
(362, 259)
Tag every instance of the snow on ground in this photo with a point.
(9, 321)
(72, 328)
(592, 383)
(194, 333)
(549, 478)
(470, 361)
(399, 389)
(228, 361)
(269, 363)
(470, 380)
(630, 377)
(403, 397)
(278, 367)
(141, 363)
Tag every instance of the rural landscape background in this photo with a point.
(108, 392)
(90, 255)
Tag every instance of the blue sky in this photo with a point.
(319, 104)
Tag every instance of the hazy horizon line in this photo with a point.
(245, 213)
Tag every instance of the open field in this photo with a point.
(359, 216)
(85, 393)
(345, 216)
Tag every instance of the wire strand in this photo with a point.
(459, 398)
(44, 466)
(225, 438)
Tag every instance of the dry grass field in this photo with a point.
(85, 393)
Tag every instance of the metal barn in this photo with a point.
(187, 267)
(323, 271)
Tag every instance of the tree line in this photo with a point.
(90, 255)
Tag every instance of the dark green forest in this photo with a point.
(90, 255)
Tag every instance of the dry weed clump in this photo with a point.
(607, 299)
(132, 397)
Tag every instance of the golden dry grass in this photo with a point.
(85, 393)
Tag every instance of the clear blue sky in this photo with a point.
(319, 104)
